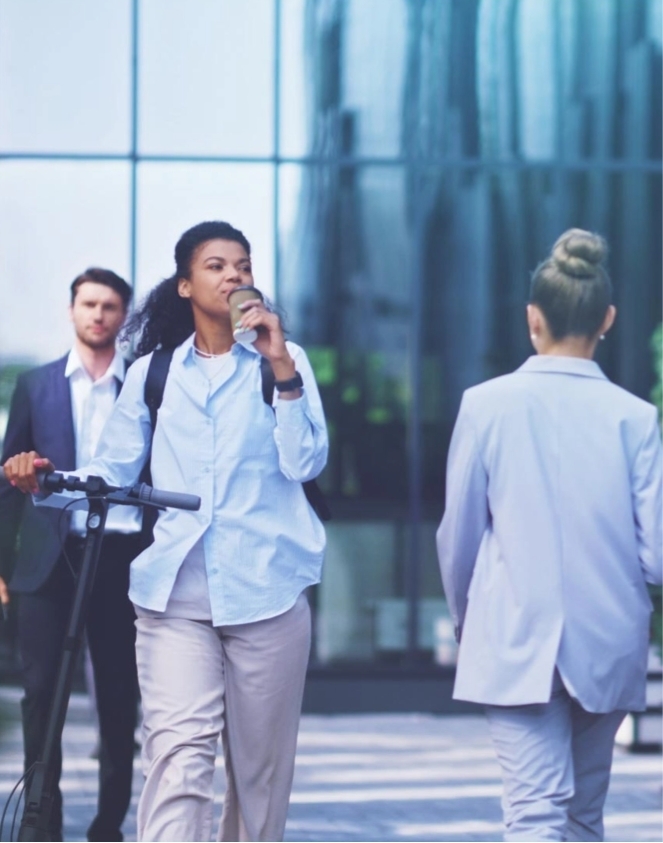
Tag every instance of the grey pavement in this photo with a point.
(404, 777)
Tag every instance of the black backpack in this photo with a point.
(155, 383)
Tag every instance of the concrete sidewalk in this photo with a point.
(365, 777)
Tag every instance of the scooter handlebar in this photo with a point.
(54, 481)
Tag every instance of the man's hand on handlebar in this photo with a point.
(21, 470)
(4, 598)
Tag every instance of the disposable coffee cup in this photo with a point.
(236, 297)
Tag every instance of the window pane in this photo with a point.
(342, 77)
(293, 125)
(206, 77)
(545, 90)
(173, 197)
(349, 276)
(345, 285)
(503, 224)
(56, 219)
(359, 611)
(65, 76)
(360, 608)
(449, 79)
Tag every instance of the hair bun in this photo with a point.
(579, 253)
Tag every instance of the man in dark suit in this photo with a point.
(59, 409)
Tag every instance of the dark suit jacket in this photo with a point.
(40, 419)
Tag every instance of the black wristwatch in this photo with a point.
(289, 385)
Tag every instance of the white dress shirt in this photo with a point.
(263, 543)
(91, 405)
(551, 529)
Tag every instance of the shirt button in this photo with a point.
(214, 570)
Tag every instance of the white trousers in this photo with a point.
(555, 761)
(244, 683)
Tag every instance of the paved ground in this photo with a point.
(366, 777)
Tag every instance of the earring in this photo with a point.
(602, 337)
(532, 337)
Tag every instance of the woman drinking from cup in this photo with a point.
(223, 629)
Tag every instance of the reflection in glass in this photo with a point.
(174, 196)
(346, 255)
(344, 285)
(477, 273)
(206, 77)
(65, 76)
(533, 80)
(361, 592)
(572, 80)
(361, 608)
(349, 281)
(351, 57)
(56, 219)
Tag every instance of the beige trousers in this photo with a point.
(242, 682)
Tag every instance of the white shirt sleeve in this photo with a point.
(301, 431)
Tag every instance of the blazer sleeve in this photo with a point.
(18, 438)
(647, 503)
(466, 516)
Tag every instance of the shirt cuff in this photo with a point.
(293, 413)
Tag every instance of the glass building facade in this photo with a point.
(400, 167)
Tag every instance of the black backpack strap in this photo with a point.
(267, 375)
(316, 497)
(155, 384)
(155, 381)
(313, 492)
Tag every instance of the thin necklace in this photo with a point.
(206, 355)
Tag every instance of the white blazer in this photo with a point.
(551, 528)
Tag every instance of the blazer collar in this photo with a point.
(550, 363)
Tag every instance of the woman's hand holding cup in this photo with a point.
(256, 319)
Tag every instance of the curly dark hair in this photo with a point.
(165, 319)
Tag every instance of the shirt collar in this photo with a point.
(551, 363)
(116, 368)
(187, 352)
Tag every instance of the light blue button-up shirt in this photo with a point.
(218, 439)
